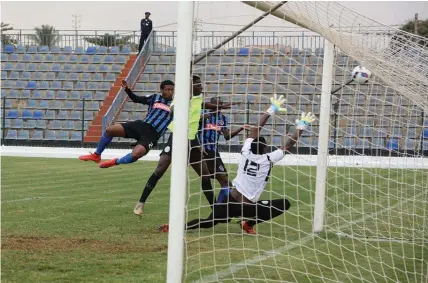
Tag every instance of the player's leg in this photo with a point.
(116, 130)
(146, 139)
(163, 165)
(201, 168)
(264, 210)
(222, 177)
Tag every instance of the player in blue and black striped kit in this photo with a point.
(147, 132)
(212, 125)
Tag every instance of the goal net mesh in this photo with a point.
(376, 214)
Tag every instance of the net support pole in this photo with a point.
(180, 143)
(324, 134)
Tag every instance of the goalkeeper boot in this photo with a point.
(138, 210)
(91, 157)
(107, 164)
(247, 228)
(163, 228)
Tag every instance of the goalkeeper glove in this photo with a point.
(276, 104)
(304, 121)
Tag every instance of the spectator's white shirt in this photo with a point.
(254, 171)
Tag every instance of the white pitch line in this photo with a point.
(241, 265)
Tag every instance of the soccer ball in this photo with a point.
(361, 75)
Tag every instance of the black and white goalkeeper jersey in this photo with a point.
(254, 171)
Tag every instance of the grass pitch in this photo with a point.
(69, 221)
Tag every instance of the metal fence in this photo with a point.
(131, 79)
(164, 39)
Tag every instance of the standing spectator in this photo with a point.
(146, 28)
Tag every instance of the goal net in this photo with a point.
(374, 197)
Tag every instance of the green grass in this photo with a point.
(69, 221)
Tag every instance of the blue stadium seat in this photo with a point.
(125, 50)
(48, 58)
(76, 136)
(37, 95)
(108, 59)
(156, 78)
(99, 96)
(392, 144)
(102, 50)
(79, 68)
(80, 86)
(89, 115)
(425, 134)
(14, 76)
(67, 50)
(92, 86)
(349, 143)
(114, 50)
(50, 114)
(56, 104)
(244, 51)
(96, 59)
(12, 114)
(50, 136)
(73, 58)
(26, 114)
(63, 115)
(31, 103)
(170, 50)
(68, 125)
(6, 84)
(4, 57)
(12, 135)
(154, 60)
(30, 124)
(76, 115)
(61, 58)
(110, 77)
(56, 85)
(86, 77)
(87, 95)
(74, 77)
(8, 67)
(121, 59)
(25, 94)
(18, 123)
(67, 68)
(26, 76)
(21, 49)
(92, 68)
(103, 68)
(55, 125)
(69, 105)
(409, 144)
(32, 49)
(37, 135)
(40, 124)
(20, 67)
(43, 67)
(50, 94)
(13, 57)
(91, 50)
(79, 50)
(115, 68)
(23, 135)
(55, 50)
(56, 67)
(20, 85)
(68, 85)
(75, 95)
(98, 77)
(9, 49)
(43, 49)
(84, 59)
(228, 88)
(27, 58)
(61, 76)
(3, 93)
(44, 104)
(363, 144)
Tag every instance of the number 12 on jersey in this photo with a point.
(251, 168)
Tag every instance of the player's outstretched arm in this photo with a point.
(276, 105)
(301, 125)
(132, 96)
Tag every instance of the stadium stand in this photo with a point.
(44, 90)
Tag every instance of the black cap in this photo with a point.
(147, 13)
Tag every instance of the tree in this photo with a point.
(399, 41)
(109, 40)
(46, 35)
(6, 38)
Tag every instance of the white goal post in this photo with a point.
(356, 180)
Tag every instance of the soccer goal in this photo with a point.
(357, 180)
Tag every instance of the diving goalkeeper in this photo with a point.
(253, 174)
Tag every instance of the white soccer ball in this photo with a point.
(361, 75)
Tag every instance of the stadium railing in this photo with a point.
(132, 79)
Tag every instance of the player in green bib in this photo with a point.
(195, 150)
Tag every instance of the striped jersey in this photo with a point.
(210, 130)
(158, 113)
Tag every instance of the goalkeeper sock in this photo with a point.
(150, 185)
(223, 194)
(208, 190)
(104, 141)
(126, 159)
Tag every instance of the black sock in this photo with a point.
(208, 190)
(151, 183)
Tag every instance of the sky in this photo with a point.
(117, 15)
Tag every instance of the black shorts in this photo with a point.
(194, 147)
(145, 134)
(214, 163)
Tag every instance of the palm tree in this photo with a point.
(5, 38)
(109, 40)
(46, 35)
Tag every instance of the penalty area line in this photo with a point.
(235, 267)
